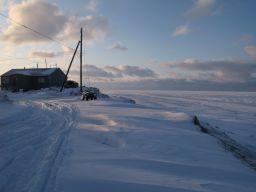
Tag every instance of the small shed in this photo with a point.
(32, 79)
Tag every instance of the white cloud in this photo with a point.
(136, 71)
(131, 71)
(112, 73)
(180, 84)
(212, 75)
(43, 54)
(118, 46)
(4, 4)
(113, 70)
(251, 51)
(93, 71)
(95, 28)
(152, 61)
(49, 20)
(216, 70)
(92, 6)
(39, 15)
(181, 30)
(201, 8)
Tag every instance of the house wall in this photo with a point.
(39, 82)
(14, 82)
(4, 82)
(2, 85)
(17, 81)
(56, 79)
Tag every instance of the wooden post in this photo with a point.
(81, 61)
(66, 76)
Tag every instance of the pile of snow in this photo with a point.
(4, 97)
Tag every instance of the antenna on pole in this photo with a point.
(81, 60)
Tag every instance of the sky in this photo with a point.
(145, 44)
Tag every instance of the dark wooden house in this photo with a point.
(32, 79)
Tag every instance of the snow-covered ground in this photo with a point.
(233, 112)
(56, 142)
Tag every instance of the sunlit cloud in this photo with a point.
(117, 46)
(201, 8)
(92, 6)
(43, 54)
(179, 84)
(113, 73)
(136, 71)
(181, 30)
(215, 70)
(131, 71)
(49, 20)
(251, 51)
(95, 28)
(41, 16)
(152, 61)
(4, 4)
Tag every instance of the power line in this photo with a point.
(35, 31)
(40, 34)
(9, 57)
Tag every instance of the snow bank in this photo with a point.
(246, 153)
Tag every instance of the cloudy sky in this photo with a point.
(145, 44)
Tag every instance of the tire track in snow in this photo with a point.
(33, 144)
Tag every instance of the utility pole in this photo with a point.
(81, 61)
(66, 76)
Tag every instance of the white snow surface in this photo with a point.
(51, 141)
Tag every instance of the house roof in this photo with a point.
(31, 72)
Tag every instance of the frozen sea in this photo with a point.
(51, 141)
